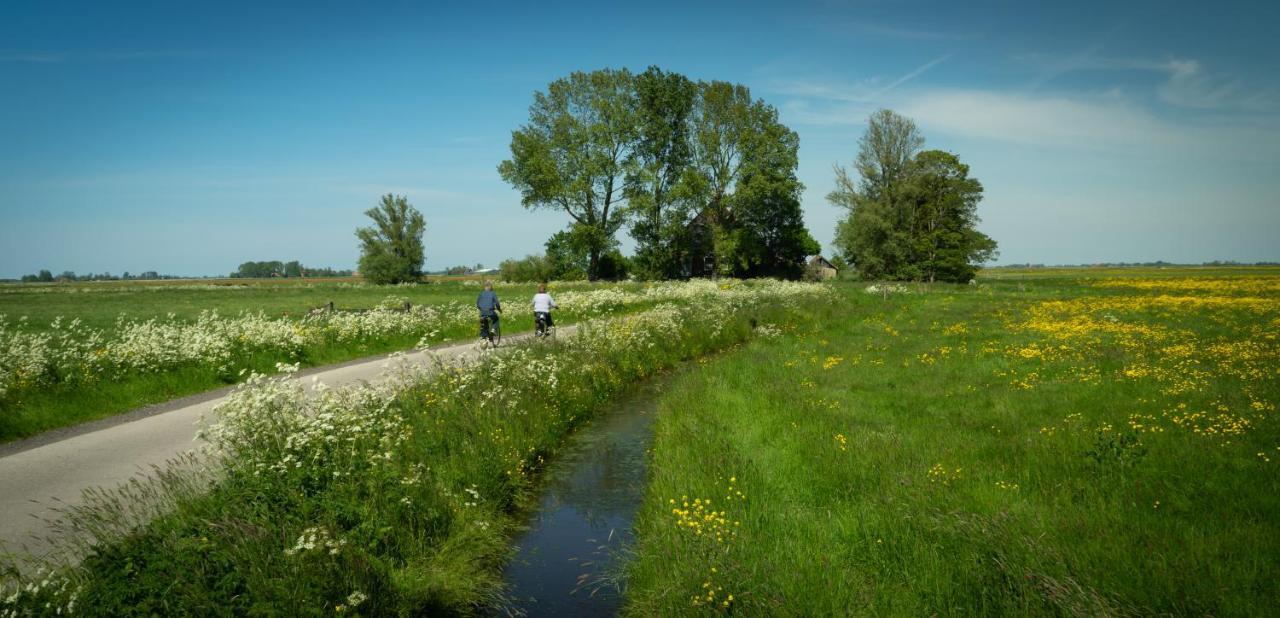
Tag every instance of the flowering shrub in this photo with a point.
(70, 353)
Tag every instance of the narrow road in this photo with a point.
(46, 473)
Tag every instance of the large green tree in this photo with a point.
(680, 155)
(659, 184)
(911, 215)
(391, 249)
(943, 202)
(744, 159)
(768, 238)
(573, 154)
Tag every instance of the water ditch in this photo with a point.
(572, 547)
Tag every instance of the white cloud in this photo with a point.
(1188, 83)
(1089, 122)
(1040, 120)
(861, 91)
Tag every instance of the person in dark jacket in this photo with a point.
(489, 307)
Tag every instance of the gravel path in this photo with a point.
(42, 474)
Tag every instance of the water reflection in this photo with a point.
(592, 491)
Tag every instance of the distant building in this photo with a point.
(486, 271)
(823, 267)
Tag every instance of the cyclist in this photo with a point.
(542, 306)
(489, 307)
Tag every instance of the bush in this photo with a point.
(532, 268)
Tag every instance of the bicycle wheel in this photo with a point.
(495, 333)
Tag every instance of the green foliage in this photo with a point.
(573, 153)
(391, 250)
(911, 215)
(531, 268)
(568, 259)
(259, 270)
(569, 253)
(699, 166)
(768, 237)
(43, 277)
(661, 188)
(1115, 449)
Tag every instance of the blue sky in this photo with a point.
(184, 139)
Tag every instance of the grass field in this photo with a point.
(1096, 446)
(70, 353)
(395, 500)
(1084, 443)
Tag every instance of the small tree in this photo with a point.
(911, 215)
(391, 250)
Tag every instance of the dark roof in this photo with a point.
(821, 261)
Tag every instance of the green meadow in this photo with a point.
(1074, 444)
(1049, 446)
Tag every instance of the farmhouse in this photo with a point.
(823, 267)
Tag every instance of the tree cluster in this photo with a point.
(454, 271)
(267, 269)
(45, 276)
(703, 175)
(276, 268)
(912, 214)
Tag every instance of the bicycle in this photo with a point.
(490, 330)
(542, 326)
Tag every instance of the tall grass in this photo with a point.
(389, 499)
(1056, 449)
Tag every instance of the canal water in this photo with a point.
(565, 561)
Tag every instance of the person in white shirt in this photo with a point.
(542, 306)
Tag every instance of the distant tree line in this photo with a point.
(455, 271)
(45, 276)
(911, 214)
(276, 268)
(702, 174)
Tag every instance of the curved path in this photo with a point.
(44, 474)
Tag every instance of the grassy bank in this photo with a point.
(394, 500)
(1102, 447)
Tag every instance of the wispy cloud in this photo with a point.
(1086, 122)
(864, 91)
(1028, 118)
(1188, 83)
(908, 77)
